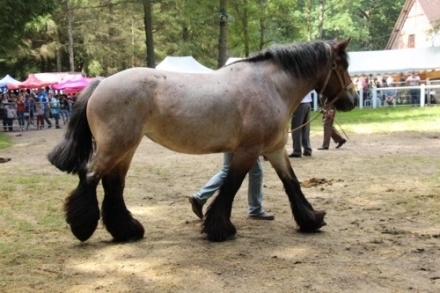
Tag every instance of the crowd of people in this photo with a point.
(34, 109)
(390, 96)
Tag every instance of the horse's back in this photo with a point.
(179, 111)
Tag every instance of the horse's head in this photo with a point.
(336, 84)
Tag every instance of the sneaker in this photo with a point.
(197, 208)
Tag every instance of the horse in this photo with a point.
(244, 108)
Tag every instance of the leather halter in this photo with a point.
(333, 66)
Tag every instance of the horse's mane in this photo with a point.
(299, 59)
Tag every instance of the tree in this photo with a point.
(222, 41)
(14, 15)
(149, 33)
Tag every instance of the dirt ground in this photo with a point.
(381, 193)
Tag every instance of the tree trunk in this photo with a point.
(246, 28)
(262, 26)
(148, 23)
(321, 19)
(222, 42)
(70, 35)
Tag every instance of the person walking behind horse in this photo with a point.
(255, 193)
(301, 128)
(328, 116)
(55, 108)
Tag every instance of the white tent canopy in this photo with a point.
(182, 64)
(394, 61)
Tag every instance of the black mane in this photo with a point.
(299, 59)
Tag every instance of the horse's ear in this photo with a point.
(342, 45)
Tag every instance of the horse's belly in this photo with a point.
(191, 142)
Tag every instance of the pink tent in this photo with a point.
(32, 82)
(72, 83)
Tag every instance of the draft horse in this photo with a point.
(244, 108)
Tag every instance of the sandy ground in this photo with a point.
(381, 193)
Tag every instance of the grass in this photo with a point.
(385, 120)
(5, 142)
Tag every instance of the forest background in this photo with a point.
(102, 37)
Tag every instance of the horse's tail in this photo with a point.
(74, 151)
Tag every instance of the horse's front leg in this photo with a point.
(217, 224)
(305, 216)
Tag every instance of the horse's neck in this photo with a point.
(292, 90)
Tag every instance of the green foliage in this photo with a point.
(109, 36)
(95, 68)
(15, 15)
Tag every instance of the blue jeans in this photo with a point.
(255, 190)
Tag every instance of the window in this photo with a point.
(412, 41)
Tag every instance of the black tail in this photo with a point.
(74, 151)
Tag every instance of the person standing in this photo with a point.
(39, 112)
(255, 193)
(20, 111)
(414, 94)
(301, 128)
(330, 131)
(64, 107)
(55, 108)
(29, 110)
(42, 97)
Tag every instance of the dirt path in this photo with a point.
(381, 193)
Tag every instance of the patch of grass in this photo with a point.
(386, 119)
(5, 141)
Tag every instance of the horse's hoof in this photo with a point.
(84, 232)
(315, 224)
(132, 230)
(217, 238)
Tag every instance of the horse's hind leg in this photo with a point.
(115, 215)
(81, 207)
(307, 218)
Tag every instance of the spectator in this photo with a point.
(55, 108)
(414, 94)
(42, 97)
(29, 107)
(11, 114)
(64, 107)
(402, 80)
(20, 111)
(3, 112)
(39, 112)
(390, 94)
